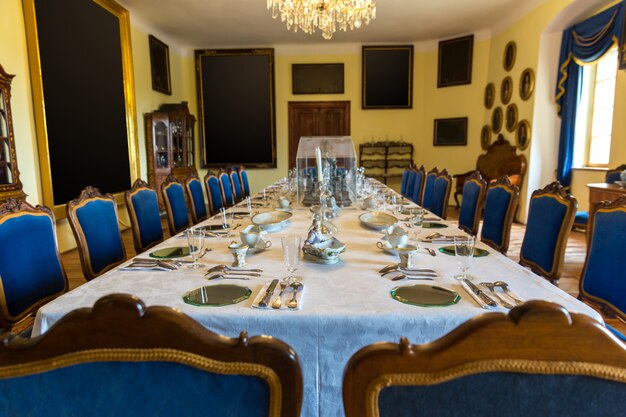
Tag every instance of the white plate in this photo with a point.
(377, 220)
(272, 220)
(288, 209)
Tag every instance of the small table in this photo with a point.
(603, 191)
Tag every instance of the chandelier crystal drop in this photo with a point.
(325, 15)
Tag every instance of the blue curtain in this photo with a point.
(585, 42)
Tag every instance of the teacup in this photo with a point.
(251, 235)
(405, 252)
(396, 235)
(370, 203)
(239, 251)
(262, 244)
(283, 203)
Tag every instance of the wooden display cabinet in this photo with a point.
(385, 160)
(170, 142)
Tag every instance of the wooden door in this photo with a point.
(316, 118)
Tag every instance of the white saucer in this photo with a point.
(287, 210)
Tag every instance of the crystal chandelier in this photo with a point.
(326, 15)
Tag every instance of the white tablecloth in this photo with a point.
(345, 306)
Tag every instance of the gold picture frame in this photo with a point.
(510, 53)
(485, 137)
(526, 84)
(510, 119)
(490, 95)
(523, 135)
(496, 120)
(506, 90)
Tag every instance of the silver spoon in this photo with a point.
(293, 303)
(423, 272)
(505, 288)
(278, 302)
(224, 276)
(491, 286)
(431, 252)
(419, 278)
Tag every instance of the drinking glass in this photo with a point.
(464, 251)
(227, 217)
(195, 240)
(416, 222)
(249, 205)
(291, 253)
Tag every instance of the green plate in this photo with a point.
(210, 227)
(431, 225)
(425, 295)
(217, 295)
(449, 250)
(176, 252)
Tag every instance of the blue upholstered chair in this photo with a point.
(500, 204)
(539, 360)
(31, 273)
(175, 205)
(550, 217)
(603, 277)
(228, 197)
(441, 194)
(93, 219)
(214, 193)
(582, 217)
(235, 183)
(429, 188)
(405, 181)
(122, 358)
(474, 189)
(417, 189)
(142, 204)
(195, 195)
(410, 179)
(243, 177)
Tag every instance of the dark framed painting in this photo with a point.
(387, 79)
(510, 53)
(490, 95)
(236, 107)
(497, 119)
(522, 135)
(526, 84)
(511, 117)
(506, 90)
(485, 137)
(317, 78)
(455, 61)
(450, 132)
(160, 66)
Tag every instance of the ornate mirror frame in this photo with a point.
(8, 157)
(32, 39)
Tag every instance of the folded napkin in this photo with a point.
(476, 298)
(286, 297)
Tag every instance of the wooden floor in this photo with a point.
(574, 260)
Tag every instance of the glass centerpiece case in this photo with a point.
(338, 163)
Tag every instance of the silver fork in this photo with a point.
(491, 286)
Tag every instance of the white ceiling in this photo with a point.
(231, 23)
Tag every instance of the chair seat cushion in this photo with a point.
(582, 218)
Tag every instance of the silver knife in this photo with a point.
(488, 300)
(268, 294)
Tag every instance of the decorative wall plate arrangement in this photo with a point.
(526, 84)
(506, 90)
(510, 53)
(522, 135)
(485, 137)
(511, 117)
(496, 120)
(490, 95)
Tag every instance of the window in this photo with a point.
(595, 112)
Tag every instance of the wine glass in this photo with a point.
(291, 253)
(227, 217)
(195, 240)
(416, 222)
(464, 251)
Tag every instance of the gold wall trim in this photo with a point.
(32, 41)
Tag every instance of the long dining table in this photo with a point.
(344, 306)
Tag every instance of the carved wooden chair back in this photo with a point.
(142, 204)
(107, 349)
(94, 222)
(235, 183)
(532, 361)
(441, 194)
(500, 205)
(31, 273)
(602, 280)
(214, 193)
(417, 188)
(195, 195)
(243, 177)
(429, 188)
(550, 217)
(175, 205)
(226, 187)
(474, 190)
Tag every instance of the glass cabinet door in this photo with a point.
(10, 184)
(190, 159)
(161, 145)
(177, 143)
